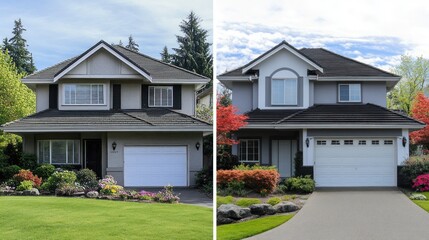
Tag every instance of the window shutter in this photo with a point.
(145, 94)
(116, 96)
(53, 96)
(177, 97)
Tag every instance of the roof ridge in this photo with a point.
(356, 61)
(138, 118)
(186, 115)
(46, 68)
(410, 118)
(294, 114)
(168, 64)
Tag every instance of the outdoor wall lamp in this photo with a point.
(307, 142)
(114, 146)
(404, 141)
(197, 145)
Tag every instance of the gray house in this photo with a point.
(117, 112)
(330, 107)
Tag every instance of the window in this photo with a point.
(321, 142)
(284, 91)
(375, 142)
(362, 142)
(349, 92)
(83, 94)
(348, 142)
(388, 142)
(160, 96)
(58, 151)
(335, 142)
(249, 150)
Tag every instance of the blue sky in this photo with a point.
(374, 32)
(57, 30)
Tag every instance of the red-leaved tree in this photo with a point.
(420, 111)
(227, 121)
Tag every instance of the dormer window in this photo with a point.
(160, 96)
(349, 92)
(83, 94)
(284, 91)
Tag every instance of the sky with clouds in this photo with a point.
(374, 32)
(58, 30)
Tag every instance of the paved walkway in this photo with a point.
(382, 214)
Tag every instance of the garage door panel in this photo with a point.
(155, 166)
(355, 165)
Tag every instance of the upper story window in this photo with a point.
(349, 92)
(160, 96)
(83, 94)
(284, 91)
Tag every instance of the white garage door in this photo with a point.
(354, 162)
(155, 166)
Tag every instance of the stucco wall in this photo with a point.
(188, 100)
(242, 96)
(42, 97)
(130, 96)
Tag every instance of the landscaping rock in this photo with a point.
(6, 192)
(78, 194)
(224, 220)
(32, 192)
(262, 209)
(92, 194)
(285, 207)
(233, 211)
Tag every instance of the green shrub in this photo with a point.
(300, 184)
(246, 202)
(44, 171)
(204, 180)
(87, 179)
(226, 160)
(418, 196)
(274, 200)
(281, 188)
(253, 167)
(28, 161)
(235, 188)
(224, 200)
(288, 197)
(57, 179)
(68, 189)
(414, 167)
(25, 185)
(8, 172)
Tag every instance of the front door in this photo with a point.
(282, 156)
(93, 155)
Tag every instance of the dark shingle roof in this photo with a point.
(155, 68)
(150, 118)
(359, 114)
(333, 64)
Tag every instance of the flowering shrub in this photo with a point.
(421, 183)
(418, 196)
(88, 179)
(25, 185)
(68, 189)
(414, 167)
(59, 178)
(109, 186)
(166, 195)
(257, 180)
(23, 175)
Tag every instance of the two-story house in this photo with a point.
(117, 112)
(330, 107)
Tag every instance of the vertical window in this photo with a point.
(160, 96)
(58, 151)
(349, 92)
(249, 150)
(284, 91)
(83, 94)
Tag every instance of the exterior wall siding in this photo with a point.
(242, 96)
(42, 97)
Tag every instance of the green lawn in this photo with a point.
(76, 218)
(423, 204)
(249, 228)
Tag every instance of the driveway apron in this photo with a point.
(366, 214)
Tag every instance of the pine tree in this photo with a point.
(17, 50)
(193, 52)
(132, 45)
(120, 43)
(165, 56)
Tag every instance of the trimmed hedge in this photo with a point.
(258, 180)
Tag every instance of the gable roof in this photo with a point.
(153, 68)
(333, 64)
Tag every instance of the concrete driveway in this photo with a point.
(377, 214)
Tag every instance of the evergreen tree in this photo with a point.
(132, 45)
(17, 50)
(165, 56)
(193, 52)
(120, 43)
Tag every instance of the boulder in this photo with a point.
(233, 211)
(285, 207)
(262, 209)
(4, 192)
(92, 194)
(32, 192)
(223, 220)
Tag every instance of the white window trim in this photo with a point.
(295, 103)
(160, 87)
(50, 151)
(348, 84)
(90, 84)
(247, 149)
